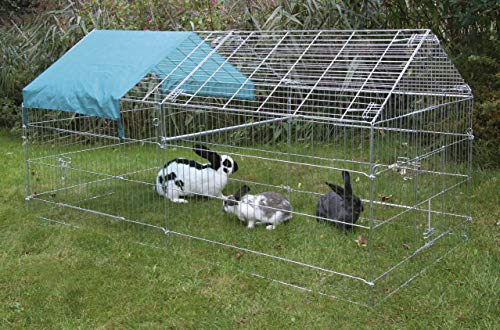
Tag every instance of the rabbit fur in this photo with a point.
(340, 205)
(268, 208)
(184, 177)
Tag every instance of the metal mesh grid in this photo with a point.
(331, 75)
(387, 106)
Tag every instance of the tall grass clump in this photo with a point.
(29, 46)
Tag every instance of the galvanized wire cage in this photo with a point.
(294, 109)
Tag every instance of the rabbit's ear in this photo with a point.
(347, 182)
(241, 192)
(337, 189)
(208, 154)
(235, 166)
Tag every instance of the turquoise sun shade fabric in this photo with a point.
(92, 77)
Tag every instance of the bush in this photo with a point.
(9, 114)
(487, 132)
(159, 14)
(8, 6)
(31, 45)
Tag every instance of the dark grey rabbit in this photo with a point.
(340, 205)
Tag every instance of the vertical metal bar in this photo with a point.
(429, 216)
(25, 139)
(371, 236)
(324, 73)
(289, 142)
(470, 145)
(162, 131)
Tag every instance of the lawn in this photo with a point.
(56, 276)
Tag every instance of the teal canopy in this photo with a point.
(92, 76)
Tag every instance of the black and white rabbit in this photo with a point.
(340, 204)
(185, 177)
(268, 208)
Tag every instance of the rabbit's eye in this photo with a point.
(227, 163)
(230, 202)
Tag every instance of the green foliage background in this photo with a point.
(34, 33)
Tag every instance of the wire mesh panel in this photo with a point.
(353, 148)
(78, 168)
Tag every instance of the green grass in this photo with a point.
(54, 276)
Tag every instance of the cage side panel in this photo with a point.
(421, 208)
(77, 162)
(291, 157)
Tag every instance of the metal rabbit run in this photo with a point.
(353, 148)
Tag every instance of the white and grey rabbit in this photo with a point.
(268, 208)
(186, 177)
(340, 205)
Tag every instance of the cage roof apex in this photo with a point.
(341, 75)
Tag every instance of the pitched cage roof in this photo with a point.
(337, 75)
